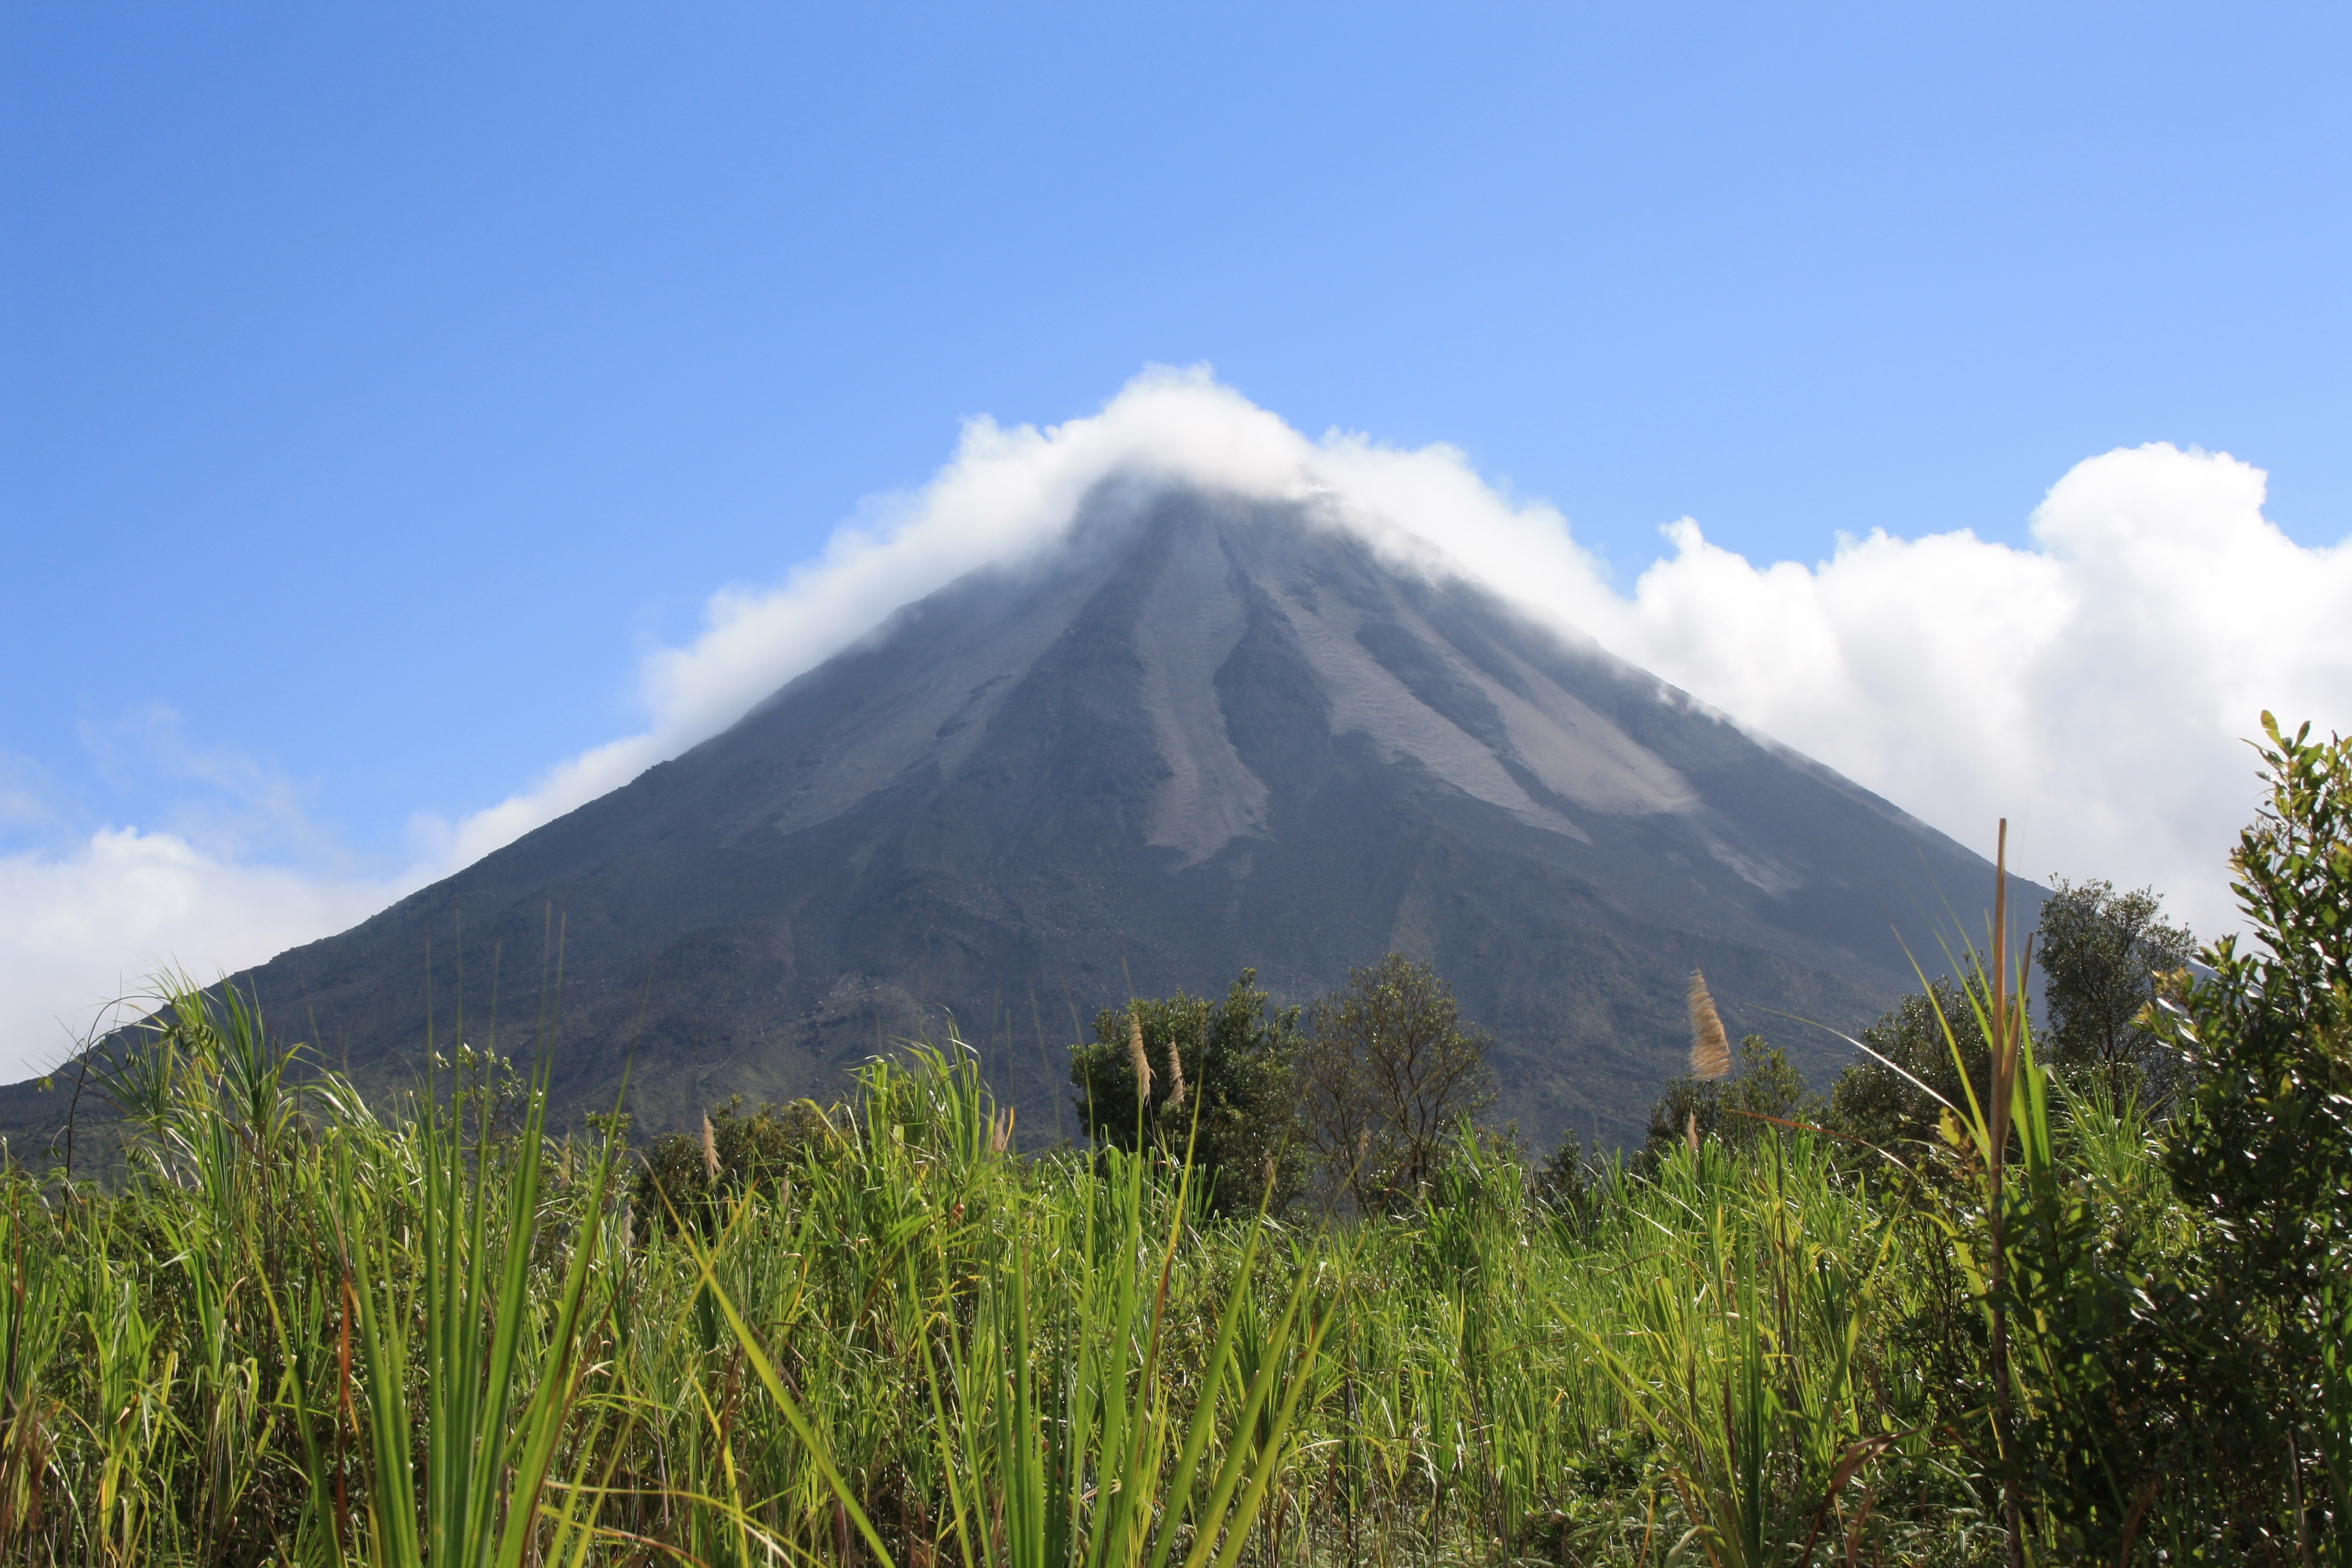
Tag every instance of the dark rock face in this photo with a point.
(1205, 734)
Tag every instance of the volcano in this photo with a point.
(1202, 732)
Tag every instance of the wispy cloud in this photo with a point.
(223, 800)
(2094, 688)
(24, 793)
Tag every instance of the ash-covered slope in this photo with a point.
(1207, 733)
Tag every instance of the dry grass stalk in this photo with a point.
(1710, 1056)
(1135, 1050)
(709, 1151)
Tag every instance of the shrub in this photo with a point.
(691, 1175)
(1731, 1110)
(1217, 1077)
(1879, 1099)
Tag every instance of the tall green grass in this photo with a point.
(302, 1333)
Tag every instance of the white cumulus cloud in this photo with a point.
(85, 928)
(2096, 690)
(2095, 687)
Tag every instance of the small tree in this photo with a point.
(2101, 954)
(2265, 1153)
(1219, 1077)
(1388, 1070)
(1882, 1104)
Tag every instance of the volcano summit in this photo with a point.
(1201, 732)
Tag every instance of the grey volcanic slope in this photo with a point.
(1207, 733)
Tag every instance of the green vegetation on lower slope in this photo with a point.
(2055, 1328)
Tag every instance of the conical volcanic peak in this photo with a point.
(1202, 732)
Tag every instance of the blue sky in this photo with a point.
(378, 385)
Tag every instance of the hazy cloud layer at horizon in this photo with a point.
(2095, 688)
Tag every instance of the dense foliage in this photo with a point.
(1763, 1092)
(2049, 1326)
(1388, 1069)
(2264, 1159)
(1217, 1078)
(2102, 953)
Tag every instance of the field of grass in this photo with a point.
(301, 1333)
(2043, 1326)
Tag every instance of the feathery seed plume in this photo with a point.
(1711, 1047)
(709, 1151)
(1175, 1076)
(1135, 1049)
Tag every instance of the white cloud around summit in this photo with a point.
(2095, 688)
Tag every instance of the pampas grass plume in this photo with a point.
(1711, 1047)
(1175, 1076)
(1143, 1063)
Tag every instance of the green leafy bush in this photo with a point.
(683, 1176)
(1220, 1083)
(2264, 1156)
(1762, 1092)
(2102, 954)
